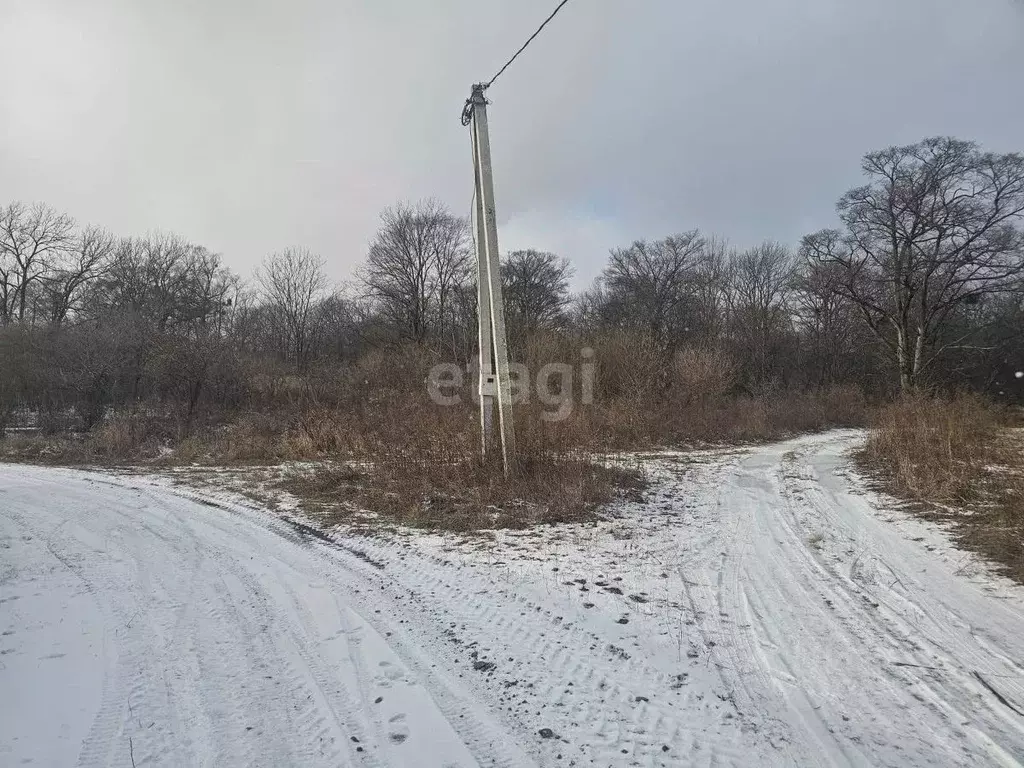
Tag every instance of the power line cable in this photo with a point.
(554, 13)
(468, 109)
(472, 219)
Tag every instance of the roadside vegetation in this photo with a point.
(149, 350)
(377, 443)
(962, 460)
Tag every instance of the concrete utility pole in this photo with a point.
(494, 375)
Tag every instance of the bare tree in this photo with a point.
(292, 284)
(164, 283)
(452, 265)
(31, 236)
(710, 290)
(535, 286)
(86, 258)
(8, 287)
(760, 282)
(416, 265)
(337, 327)
(829, 323)
(158, 291)
(936, 227)
(648, 285)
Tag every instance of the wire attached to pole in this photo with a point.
(467, 110)
(554, 13)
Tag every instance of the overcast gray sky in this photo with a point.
(251, 125)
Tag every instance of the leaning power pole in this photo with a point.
(494, 383)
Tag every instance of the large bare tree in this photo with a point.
(649, 284)
(535, 286)
(163, 282)
(416, 266)
(710, 282)
(85, 259)
(833, 334)
(31, 237)
(157, 291)
(937, 226)
(292, 285)
(758, 298)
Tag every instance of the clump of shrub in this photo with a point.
(936, 449)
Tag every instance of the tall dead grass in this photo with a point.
(960, 458)
(937, 449)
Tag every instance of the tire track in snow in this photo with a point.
(572, 670)
(829, 641)
(942, 660)
(345, 567)
(561, 673)
(186, 641)
(791, 649)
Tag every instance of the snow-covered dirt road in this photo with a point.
(759, 608)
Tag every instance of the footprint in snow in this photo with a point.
(398, 731)
(389, 673)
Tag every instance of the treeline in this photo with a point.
(919, 287)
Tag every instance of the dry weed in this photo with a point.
(959, 459)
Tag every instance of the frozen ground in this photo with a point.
(760, 608)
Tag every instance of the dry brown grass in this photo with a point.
(679, 420)
(963, 463)
(409, 424)
(465, 495)
(420, 463)
(424, 456)
(937, 449)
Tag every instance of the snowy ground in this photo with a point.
(760, 608)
